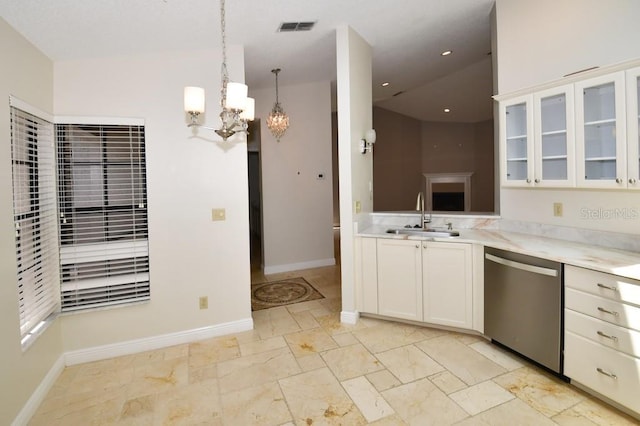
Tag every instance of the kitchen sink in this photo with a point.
(429, 232)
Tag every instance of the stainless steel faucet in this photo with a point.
(420, 208)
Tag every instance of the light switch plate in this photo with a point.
(358, 207)
(557, 209)
(218, 214)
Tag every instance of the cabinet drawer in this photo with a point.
(602, 308)
(589, 363)
(601, 284)
(619, 338)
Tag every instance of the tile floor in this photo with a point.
(301, 366)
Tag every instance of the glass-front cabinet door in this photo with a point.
(554, 145)
(601, 132)
(633, 123)
(516, 136)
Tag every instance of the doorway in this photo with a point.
(255, 197)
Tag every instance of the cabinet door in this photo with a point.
(447, 275)
(366, 275)
(399, 279)
(516, 141)
(554, 139)
(601, 145)
(633, 123)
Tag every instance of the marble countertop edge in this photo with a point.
(603, 259)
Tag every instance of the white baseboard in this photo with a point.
(349, 317)
(156, 342)
(36, 398)
(298, 266)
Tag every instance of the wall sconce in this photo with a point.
(366, 144)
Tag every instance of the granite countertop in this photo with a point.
(612, 261)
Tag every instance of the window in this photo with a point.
(34, 210)
(102, 198)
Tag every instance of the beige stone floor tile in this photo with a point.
(389, 335)
(422, 403)
(204, 373)
(311, 362)
(332, 304)
(345, 339)
(498, 355)
(310, 341)
(409, 363)
(105, 380)
(261, 405)
(467, 364)
(320, 312)
(141, 407)
(247, 336)
(593, 412)
(383, 380)
(253, 370)
(332, 325)
(158, 377)
(540, 390)
(305, 320)
(194, 404)
(481, 397)
(368, 400)
(447, 382)
(392, 420)
(257, 346)
(514, 412)
(106, 411)
(303, 306)
(274, 322)
(316, 397)
(207, 352)
(351, 361)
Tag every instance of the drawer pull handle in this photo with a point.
(606, 287)
(606, 336)
(614, 313)
(601, 371)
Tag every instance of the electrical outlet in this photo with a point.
(358, 207)
(218, 214)
(557, 209)
(204, 302)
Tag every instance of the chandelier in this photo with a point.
(237, 108)
(278, 121)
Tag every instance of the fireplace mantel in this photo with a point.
(435, 178)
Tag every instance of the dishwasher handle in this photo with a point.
(523, 266)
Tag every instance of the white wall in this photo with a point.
(355, 117)
(188, 174)
(541, 41)
(27, 74)
(297, 206)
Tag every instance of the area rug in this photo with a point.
(280, 293)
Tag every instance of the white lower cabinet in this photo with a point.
(399, 279)
(602, 334)
(447, 284)
(416, 280)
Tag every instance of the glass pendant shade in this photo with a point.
(278, 121)
(194, 99)
(236, 95)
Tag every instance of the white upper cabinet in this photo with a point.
(633, 125)
(554, 138)
(516, 138)
(601, 132)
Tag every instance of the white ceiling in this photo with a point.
(407, 37)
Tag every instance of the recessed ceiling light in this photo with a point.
(446, 53)
(447, 110)
(385, 84)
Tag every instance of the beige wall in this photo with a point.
(541, 41)
(297, 206)
(397, 168)
(406, 148)
(27, 74)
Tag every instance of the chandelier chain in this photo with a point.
(224, 73)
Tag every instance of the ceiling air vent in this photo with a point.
(295, 26)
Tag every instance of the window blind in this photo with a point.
(102, 198)
(34, 208)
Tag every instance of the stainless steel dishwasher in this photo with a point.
(523, 305)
